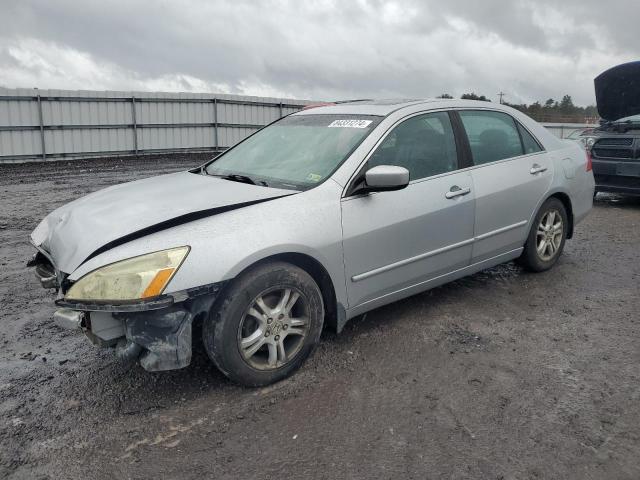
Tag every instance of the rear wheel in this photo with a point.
(265, 325)
(546, 238)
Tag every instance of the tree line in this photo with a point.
(549, 111)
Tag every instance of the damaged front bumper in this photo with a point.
(156, 332)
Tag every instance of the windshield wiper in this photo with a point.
(236, 177)
(239, 178)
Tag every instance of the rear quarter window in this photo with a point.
(529, 143)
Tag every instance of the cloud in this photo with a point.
(322, 49)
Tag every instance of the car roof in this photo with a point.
(400, 108)
(387, 106)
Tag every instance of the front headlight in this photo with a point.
(589, 141)
(132, 279)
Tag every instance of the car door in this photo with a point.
(393, 241)
(511, 173)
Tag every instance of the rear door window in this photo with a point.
(492, 135)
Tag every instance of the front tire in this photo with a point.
(265, 325)
(546, 238)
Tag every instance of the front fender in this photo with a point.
(224, 245)
(337, 277)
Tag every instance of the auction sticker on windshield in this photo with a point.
(350, 123)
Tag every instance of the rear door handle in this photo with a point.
(535, 168)
(456, 191)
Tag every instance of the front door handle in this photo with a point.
(456, 191)
(535, 169)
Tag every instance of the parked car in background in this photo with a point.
(616, 145)
(313, 220)
(583, 136)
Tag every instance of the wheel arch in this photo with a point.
(566, 201)
(334, 311)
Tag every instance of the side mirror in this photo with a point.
(385, 178)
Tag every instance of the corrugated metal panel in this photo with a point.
(247, 114)
(175, 138)
(88, 122)
(86, 113)
(166, 112)
(232, 135)
(18, 143)
(90, 141)
(14, 113)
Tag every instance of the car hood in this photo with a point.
(104, 219)
(618, 91)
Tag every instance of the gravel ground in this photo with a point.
(502, 375)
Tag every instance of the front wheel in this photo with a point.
(546, 238)
(265, 325)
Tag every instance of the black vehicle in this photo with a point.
(616, 147)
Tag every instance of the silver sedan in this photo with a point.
(311, 221)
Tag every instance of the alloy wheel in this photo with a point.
(273, 328)
(549, 235)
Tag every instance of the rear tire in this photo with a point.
(265, 325)
(546, 238)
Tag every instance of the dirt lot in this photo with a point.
(503, 375)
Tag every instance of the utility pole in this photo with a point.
(501, 94)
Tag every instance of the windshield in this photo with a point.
(296, 152)
(575, 135)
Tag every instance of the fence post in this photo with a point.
(135, 124)
(280, 109)
(42, 142)
(215, 125)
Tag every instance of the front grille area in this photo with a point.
(604, 142)
(611, 152)
(45, 271)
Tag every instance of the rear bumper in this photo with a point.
(607, 178)
(606, 185)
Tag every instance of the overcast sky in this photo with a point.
(530, 49)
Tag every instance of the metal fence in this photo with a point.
(563, 130)
(49, 124)
(52, 124)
